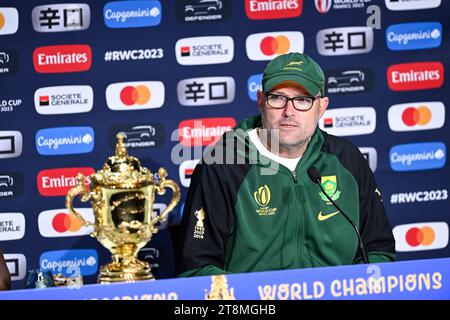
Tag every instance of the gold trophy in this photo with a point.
(122, 194)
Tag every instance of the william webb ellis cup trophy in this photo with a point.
(122, 194)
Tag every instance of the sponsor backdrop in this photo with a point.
(175, 74)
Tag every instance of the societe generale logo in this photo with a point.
(57, 182)
(415, 76)
(59, 223)
(268, 9)
(202, 132)
(421, 236)
(185, 170)
(268, 45)
(64, 99)
(62, 58)
(136, 95)
(416, 116)
(204, 50)
(349, 121)
(12, 226)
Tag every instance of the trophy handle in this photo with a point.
(160, 188)
(80, 189)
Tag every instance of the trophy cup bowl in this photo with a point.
(122, 195)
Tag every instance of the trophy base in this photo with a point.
(113, 273)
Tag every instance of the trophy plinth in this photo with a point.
(122, 195)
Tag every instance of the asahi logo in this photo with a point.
(17, 265)
(273, 9)
(344, 41)
(61, 17)
(206, 91)
(415, 76)
(10, 144)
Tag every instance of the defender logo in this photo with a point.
(349, 81)
(262, 198)
(329, 184)
(9, 61)
(192, 11)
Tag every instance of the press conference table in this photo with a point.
(405, 280)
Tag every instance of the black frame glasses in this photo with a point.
(300, 103)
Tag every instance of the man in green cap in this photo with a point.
(262, 208)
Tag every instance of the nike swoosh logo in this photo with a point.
(322, 217)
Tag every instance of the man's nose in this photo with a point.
(289, 109)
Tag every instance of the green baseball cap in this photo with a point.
(294, 67)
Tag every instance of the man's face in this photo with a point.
(293, 128)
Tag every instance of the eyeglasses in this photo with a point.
(301, 103)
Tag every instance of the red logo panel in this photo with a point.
(64, 58)
(202, 132)
(415, 76)
(268, 9)
(57, 182)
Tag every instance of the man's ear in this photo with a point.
(260, 97)
(323, 106)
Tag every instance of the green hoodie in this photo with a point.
(253, 214)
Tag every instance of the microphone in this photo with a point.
(315, 176)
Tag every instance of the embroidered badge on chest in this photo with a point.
(199, 229)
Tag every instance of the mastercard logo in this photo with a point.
(63, 222)
(416, 116)
(131, 95)
(58, 223)
(136, 95)
(421, 236)
(268, 45)
(2, 20)
(275, 45)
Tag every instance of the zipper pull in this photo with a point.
(294, 176)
